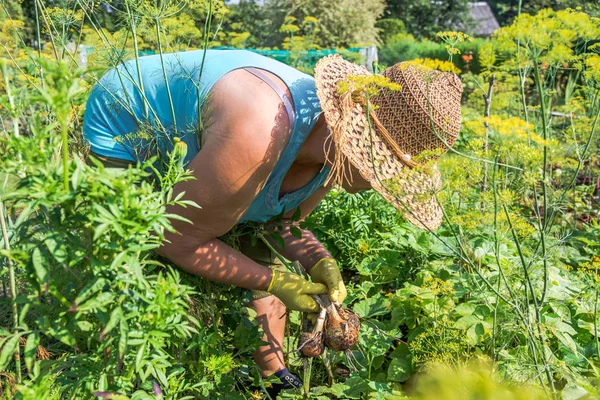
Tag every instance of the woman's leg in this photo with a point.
(271, 315)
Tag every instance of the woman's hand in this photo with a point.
(295, 291)
(327, 272)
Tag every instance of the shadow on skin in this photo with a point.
(271, 316)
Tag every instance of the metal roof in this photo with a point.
(484, 21)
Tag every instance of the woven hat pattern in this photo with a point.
(424, 117)
(379, 159)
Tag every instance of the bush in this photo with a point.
(404, 47)
(388, 28)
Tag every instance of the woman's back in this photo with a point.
(128, 120)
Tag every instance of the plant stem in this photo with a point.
(164, 71)
(543, 247)
(281, 258)
(137, 55)
(48, 27)
(538, 83)
(307, 372)
(11, 101)
(580, 160)
(13, 287)
(535, 302)
(544, 223)
(39, 40)
(207, 24)
(596, 322)
(486, 123)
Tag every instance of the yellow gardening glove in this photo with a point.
(295, 291)
(327, 272)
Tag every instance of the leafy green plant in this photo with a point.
(511, 278)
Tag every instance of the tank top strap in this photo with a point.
(282, 95)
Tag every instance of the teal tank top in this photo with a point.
(116, 113)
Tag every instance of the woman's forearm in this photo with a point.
(307, 249)
(216, 261)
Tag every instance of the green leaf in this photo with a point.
(123, 339)
(62, 333)
(31, 349)
(464, 309)
(401, 367)
(115, 316)
(90, 289)
(355, 388)
(278, 239)
(38, 265)
(466, 322)
(423, 241)
(140, 356)
(8, 350)
(297, 214)
(23, 314)
(565, 328)
(100, 229)
(588, 326)
(475, 333)
(372, 306)
(566, 340)
(297, 233)
(404, 315)
(57, 249)
(96, 302)
(573, 391)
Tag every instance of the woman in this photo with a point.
(265, 139)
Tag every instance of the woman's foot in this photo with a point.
(288, 380)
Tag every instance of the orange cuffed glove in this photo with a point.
(327, 272)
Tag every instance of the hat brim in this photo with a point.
(411, 190)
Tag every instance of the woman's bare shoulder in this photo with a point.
(245, 109)
(248, 131)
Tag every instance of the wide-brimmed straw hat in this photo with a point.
(393, 137)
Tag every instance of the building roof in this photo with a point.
(484, 21)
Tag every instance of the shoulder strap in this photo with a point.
(282, 95)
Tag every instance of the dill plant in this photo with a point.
(513, 282)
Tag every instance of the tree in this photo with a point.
(261, 22)
(507, 10)
(388, 28)
(424, 18)
(342, 23)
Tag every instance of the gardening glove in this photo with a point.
(295, 291)
(327, 272)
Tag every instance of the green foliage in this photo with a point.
(120, 319)
(388, 28)
(507, 10)
(510, 278)
(423, 19)
(342, 23)
(259, 21)
(403, 47)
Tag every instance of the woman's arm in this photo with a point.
(307, 249)
(243, 141)
(218, 262)
(311, 254)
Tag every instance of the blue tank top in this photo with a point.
(116, 113)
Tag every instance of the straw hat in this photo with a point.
(396, 146)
